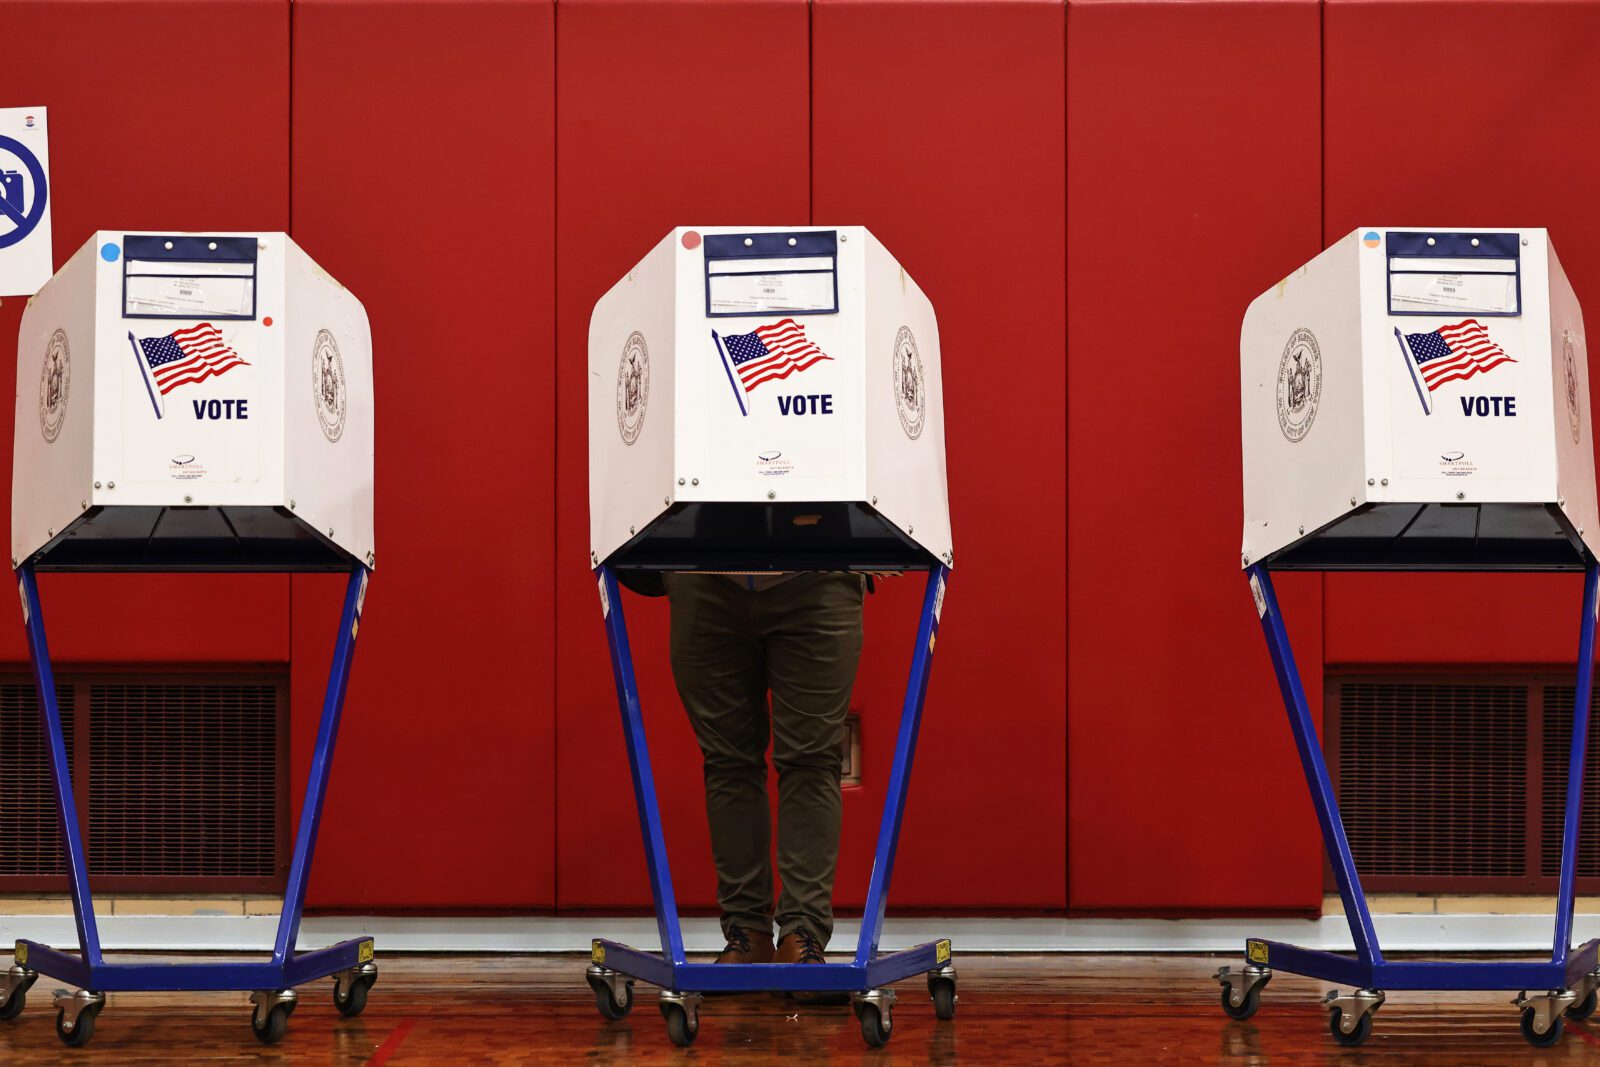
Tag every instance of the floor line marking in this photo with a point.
(391, 1043)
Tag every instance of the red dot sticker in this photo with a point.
(691, 240)
(267, 321)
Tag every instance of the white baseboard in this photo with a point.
(225, 933)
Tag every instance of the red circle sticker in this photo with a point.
(691, 239)
(267, 321)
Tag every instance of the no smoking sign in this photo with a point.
(25, 259)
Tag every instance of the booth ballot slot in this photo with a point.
(762, 273)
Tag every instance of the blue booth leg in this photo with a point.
(682, 982)
(351, 962)
(1556, 985)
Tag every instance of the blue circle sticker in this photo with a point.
(24, 217)
(1370, 238)
(109, 252)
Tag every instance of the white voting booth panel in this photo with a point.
(740, 375)
(193, 400)
(1418, 398)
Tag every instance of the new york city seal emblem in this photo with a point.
(633, 387)
(1299, 385)
(55, 383)
(327, 385)
(910, 389)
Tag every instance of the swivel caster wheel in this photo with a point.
(942, 988)
(875, 1011)
(613, 993)
(1580, 1011)
(350, 989)
(682, 1012)
(1241, 993)
(15, 984)
(270, 1019)
(1546, 1039)
(75, 1015)
(1356, 1036)
(1350, 1017)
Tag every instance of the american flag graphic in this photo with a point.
(1454, 353)
(771, 353)
(187, 356)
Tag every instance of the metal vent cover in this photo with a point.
(179, 777)
(1433, 777)
(30, 831)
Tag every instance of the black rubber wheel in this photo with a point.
(1547, 1039)
(355, 1001)
(943, 991)
(19, 996)
(607, 1003)
(876, 1027)
(682, 1026)
(1581, 1010)
(81, 1031)
(1251, 1005)
(1356, 1037)
(277, 1025)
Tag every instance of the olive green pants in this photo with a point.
(731, 645)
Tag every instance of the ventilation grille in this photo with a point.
(30, 835)
(184, 780)
(1558, 704)
(1433, 777)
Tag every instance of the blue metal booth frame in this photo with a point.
(1564, 987)
(867, 976)
(271, 982)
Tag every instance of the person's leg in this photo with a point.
(812, 626)
(718, 666)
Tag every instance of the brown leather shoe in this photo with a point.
(803, 947)
(745, 947)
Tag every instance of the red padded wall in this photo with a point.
(1531, 113)
(651, 134)
(940, 127)
(1193, 182)
(112, 166)
(423, 180)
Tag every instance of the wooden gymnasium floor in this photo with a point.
(1031, 1010)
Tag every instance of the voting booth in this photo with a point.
(1418, 400)
(192, 402)
(766, 400)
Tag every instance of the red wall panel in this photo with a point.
(423, 180)
(111, 161)
(1530, 113)
(652, 134)
(941, 128)
(1193, 183)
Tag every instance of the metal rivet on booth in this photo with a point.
(1431, 242)
(748, 242)
(330, 531)
(97, 485)
(291, 505)
(1302, 529)
(1370, 481)
(213, 245)
(666, 500)
(911, 529)
(1352, 501)
(187, 499)
(792, 242)
(1524, 242)
(874, 501)
(694, 481)
(680, 481)
(111, 485)
(1461, 496)
(1474, 242)
(1385, 481)
(771, 495)
(50, 532)
(169, 246)
(633, 530)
